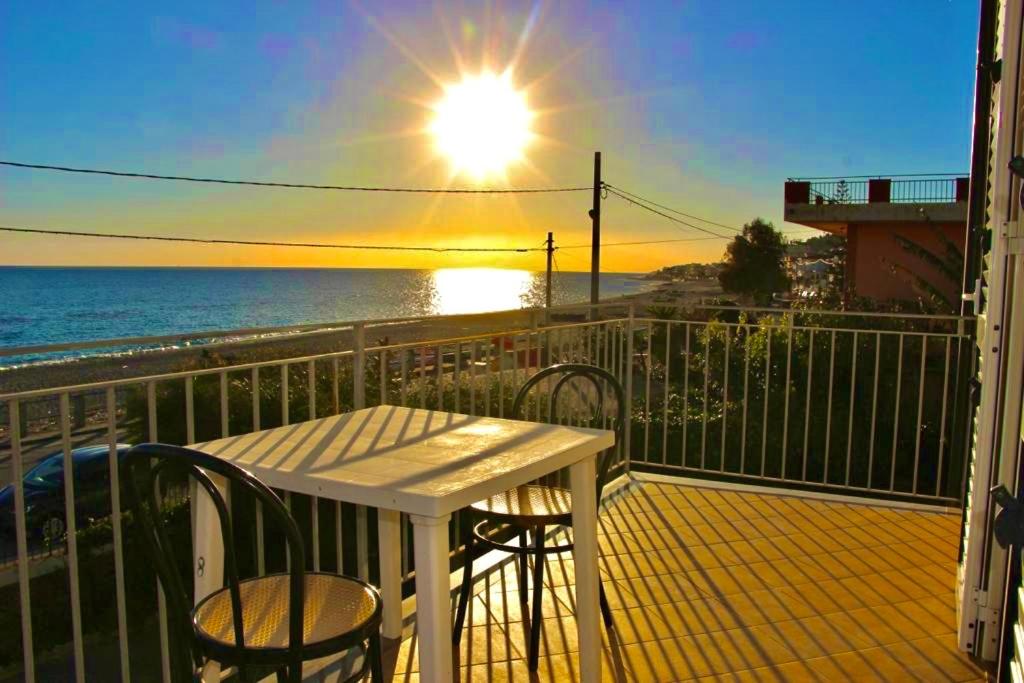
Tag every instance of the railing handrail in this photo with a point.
(799, 328)
(257, 334)
(883, 176)
(815, 311)
(291, 360)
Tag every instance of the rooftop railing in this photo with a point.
(922, 189)
(860, 404)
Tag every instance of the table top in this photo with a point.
(424, 462)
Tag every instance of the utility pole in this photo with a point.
(547, 291)
(595, 240)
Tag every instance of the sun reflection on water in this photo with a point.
(475, 290)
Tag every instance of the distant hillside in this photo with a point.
(686, 271)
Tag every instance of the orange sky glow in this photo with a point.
(372, 128)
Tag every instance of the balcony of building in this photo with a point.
(786, 504)
(831, 204)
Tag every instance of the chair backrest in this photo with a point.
(589, 388)
(144, 466)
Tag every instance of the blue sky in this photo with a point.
(704, 106)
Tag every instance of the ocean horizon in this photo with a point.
(47, 305)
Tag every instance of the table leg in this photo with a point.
(207, 541)
(433, 608)
(582, 482)
(389, 534)
(207, 549)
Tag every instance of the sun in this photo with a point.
(482, 125)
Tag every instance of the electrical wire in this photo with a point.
(629, 244)
(668, 208)
(305, 186)
(809, 232)
(643, 205)
(638, 198)
(260, 243)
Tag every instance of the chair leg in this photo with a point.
(606, 611)
(536, 617)
(466, 590)
(376, 664)
(523, 569)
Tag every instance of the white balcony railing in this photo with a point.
(868, 404)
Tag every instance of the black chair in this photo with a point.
(533, 508)
(269, 623)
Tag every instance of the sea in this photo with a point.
(57, 305)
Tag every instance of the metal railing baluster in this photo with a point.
(686, 392)
(746, 403)
(896, 426)
(920, 407)
(457, 377)
(828, 414)
(71, 538)
(942, 420)
(336, 386)
(725, 398)
(311, 391)
(115, 524)
(849, 426)
(767, 388)
(648, 359)
(161, 599)
(383, 377)
(807, 404)
(874, 409)
(704, 417)
(190, 410)
(21, 541)
(784, 456)
(224, 415)
(285, 399)
(664, 405)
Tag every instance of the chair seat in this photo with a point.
(545, 504)
(334, 606)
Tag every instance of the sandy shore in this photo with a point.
(140, 364)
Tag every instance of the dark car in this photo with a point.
(44, 493)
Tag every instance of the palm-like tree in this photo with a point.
(947, 261)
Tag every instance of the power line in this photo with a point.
(668, 208)
(628, 244)
(682, 239)
(257, 183)
(643, 205)
(256, 243)
(635, 198)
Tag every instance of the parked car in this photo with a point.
(44, 493)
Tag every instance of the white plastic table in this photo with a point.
(427, 464)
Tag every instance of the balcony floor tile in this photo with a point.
(715, 584)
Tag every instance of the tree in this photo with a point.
(754, 263)
(842, 193)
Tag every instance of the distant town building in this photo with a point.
(873, 214)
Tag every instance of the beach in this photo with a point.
(100, 368)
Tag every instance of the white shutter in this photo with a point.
(981, 574)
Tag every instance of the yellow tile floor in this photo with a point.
(717, 585)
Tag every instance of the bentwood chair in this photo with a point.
(271, 623)
(533, 508)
